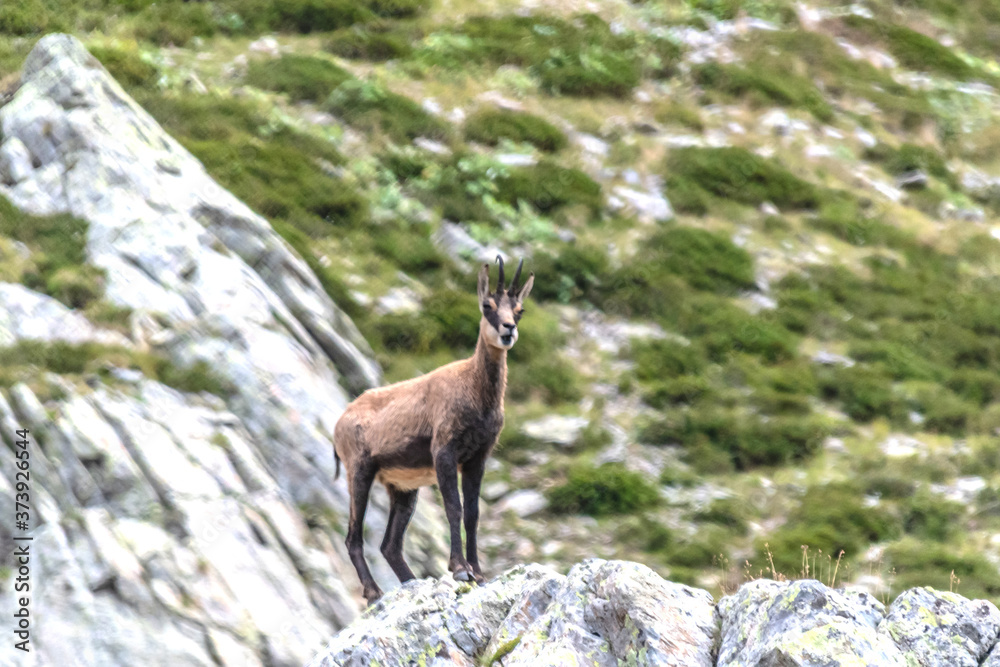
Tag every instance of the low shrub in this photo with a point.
(580, 57)
(300, 77)
(864, 394)
(672, 391)
(571, 274)
(913, 49)
(303, 16)
(371, 108)
(175, 23)
(706, 260)
(931, 517)
(763, 86)
(547, 186)
(921, 563)
(657, 359)
(736, 174)
(489, 126)
(602, 490)
(831, 518)
(376, 42)
(747, 441)
(126, 66)
(841, 217)
(409, 247)
(59, 255)
(729, 513)
(279, 177)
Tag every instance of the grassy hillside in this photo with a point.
(804, 360)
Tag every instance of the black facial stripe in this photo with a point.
(493, 317)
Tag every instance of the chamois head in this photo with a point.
(503, 308)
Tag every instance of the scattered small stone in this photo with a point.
(647, 127)
(558, 429)
(912, 180)
(592, 144)
(266, 45)
(431, 106)
(431, 146)
(902, 446)
(398, 300)
(866, 138)
(832, 359)
(516, 159)
(15, 161)
(523, 503)
(651, 206)
(494, 491)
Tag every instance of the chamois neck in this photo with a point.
(489, 364)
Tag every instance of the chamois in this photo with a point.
(425, 431)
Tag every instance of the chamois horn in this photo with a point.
(516, 282)
(500, 277)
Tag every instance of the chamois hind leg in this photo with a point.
(360, 485)
(472, 479)
(447, 475)
(401, 506)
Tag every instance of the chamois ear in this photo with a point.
(523, 294)
(484, 282)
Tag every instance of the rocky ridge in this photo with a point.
(171, 527)
(622, 613)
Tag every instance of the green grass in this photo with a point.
(919, 563)
(716, 439)
(548, 186)
(490, 126)
(23, 359)
(300, 77)
(371, 108)
(582, 57)
(177, 22)
(831, 518)
(914, 50)
(807, 56)
(909, 157)
(127, 66)
(378, 41)
(763, 86)
(696, 175)
(706, 260)
(58, 264)
(275, 172)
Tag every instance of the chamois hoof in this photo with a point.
(372, 596)
(464, 575)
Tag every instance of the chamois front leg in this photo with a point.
(472, 480)
(446, 468)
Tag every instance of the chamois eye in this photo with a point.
(486, 306)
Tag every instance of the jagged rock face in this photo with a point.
(615, 612)
(600, 613)
(171, 528)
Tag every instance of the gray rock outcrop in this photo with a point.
(169, 527)
(600, 613)
(621, 613)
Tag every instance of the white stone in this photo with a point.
(523, 503)
(15, 162)
(557, 429)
